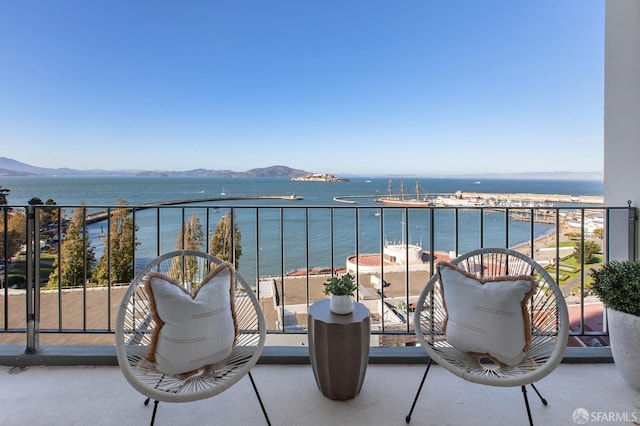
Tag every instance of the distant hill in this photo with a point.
(10, 167)
(264, 172)
(5, 172)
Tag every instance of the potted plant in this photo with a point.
(617, 284)
(341, 291)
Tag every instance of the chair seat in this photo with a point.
(485, 371)
(205, 382)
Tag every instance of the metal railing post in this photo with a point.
(32, 296)
(33, 283)
(632, 231)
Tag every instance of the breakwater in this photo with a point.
(100, 216)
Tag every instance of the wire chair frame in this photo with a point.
(135, 325)
(547, 312)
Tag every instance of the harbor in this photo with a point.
(475, 199)
(526, 199)
(461, 198)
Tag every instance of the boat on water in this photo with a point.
(420, 200)
(406, 203)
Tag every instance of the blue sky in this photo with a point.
(414, 87)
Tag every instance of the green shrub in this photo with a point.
(617, 284)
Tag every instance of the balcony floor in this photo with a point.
(101, 396)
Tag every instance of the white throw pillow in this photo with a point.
(191, 331)
(487, 317)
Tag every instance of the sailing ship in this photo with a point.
(401, 200)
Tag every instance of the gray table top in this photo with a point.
(320, 311)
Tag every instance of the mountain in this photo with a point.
(265, 172)
(10, 167)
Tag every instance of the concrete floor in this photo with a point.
(101, 396)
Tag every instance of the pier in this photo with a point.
(490, 199)
(100, 216)
(531, 198)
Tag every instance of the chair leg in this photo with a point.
(155, 408)
(264, 411)
(544, 401)
(526, 402)
(408, 418)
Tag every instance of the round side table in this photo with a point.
(339, 349)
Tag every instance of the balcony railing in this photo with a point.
(287, 252)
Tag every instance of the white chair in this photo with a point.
(546, 310)
(135, 325)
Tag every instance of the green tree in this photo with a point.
(221, 241)
(76, 255)
(591, 248)
(598, 232)
(116, 264)
(48, 215)
(191, 236)
(3, 195)
(16, 231)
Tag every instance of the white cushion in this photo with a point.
(191, 331)
(487, 317)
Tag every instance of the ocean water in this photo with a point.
(141, 190)
(268, 246)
